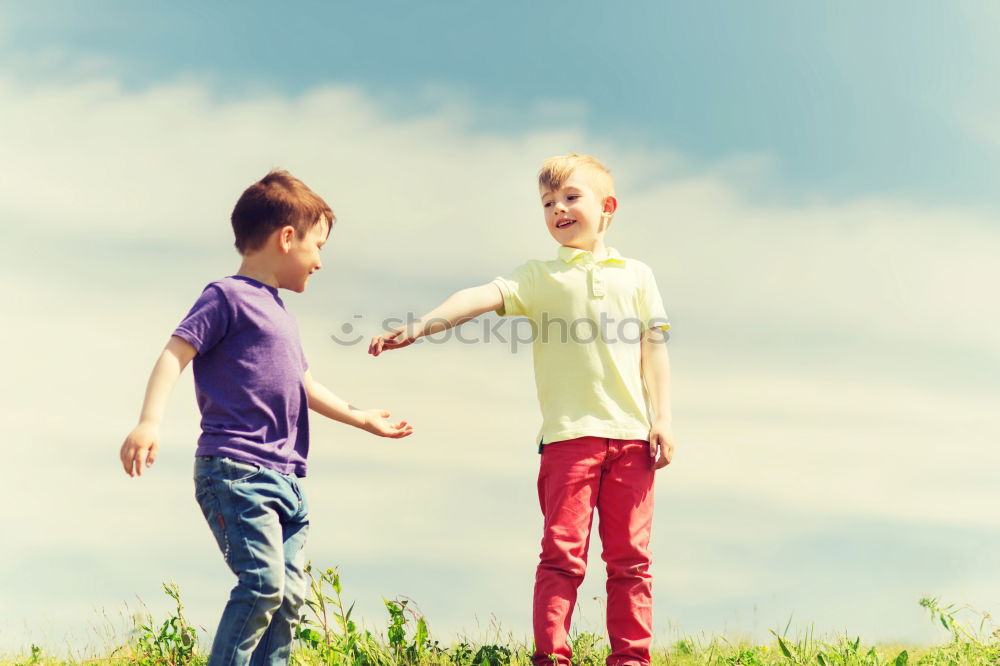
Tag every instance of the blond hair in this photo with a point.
(556, 170)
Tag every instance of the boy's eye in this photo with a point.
(547, 204)
(573, 197)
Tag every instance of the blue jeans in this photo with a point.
(260, 520)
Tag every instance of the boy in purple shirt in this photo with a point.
(254, 389)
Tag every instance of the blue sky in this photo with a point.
(813, 188)
(856, 99)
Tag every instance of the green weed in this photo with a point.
(34, 659)
(173, 643)
(339, 642)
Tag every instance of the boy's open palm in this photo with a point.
(377, 423)
(139, 448)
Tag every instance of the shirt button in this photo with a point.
(596, 284)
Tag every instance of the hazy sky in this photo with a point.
(812, 186)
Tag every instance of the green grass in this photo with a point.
(329, 636)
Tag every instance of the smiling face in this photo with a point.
(575, 214)
(301, 255)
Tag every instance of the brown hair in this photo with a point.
(277, 200)
(555, 171)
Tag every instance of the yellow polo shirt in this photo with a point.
(587, 319)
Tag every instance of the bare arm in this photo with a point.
(460, 307)
(324, 402)
(140, 447)
(656, 375)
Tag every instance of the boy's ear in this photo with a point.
(610, 205)
(285, 236)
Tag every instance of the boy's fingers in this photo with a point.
(378, 344)
(401, 429)
(123, 458)
(665, 457)
(656, 451)
(151, 457)
(128, 459)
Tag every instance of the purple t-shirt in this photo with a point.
(248, 375)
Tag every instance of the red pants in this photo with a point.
(616, 477)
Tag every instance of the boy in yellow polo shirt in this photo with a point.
(602, 373)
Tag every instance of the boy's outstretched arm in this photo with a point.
(324, 402)
(139, 448)
(460, 307)
(656, 375)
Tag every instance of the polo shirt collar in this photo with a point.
(572, 254)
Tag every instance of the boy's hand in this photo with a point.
(661, 444)
(457, 309)
(139, 448)
(393, 340)
(376, 422)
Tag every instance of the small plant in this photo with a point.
(348, 646)
(462, 654)
(174, 643)
(492, 655)
(406, 652)
(947, 616)
(35, 658)
(746, 656)
(587, 649)
(685, 647)
(968, 645)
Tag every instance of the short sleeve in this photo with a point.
(650, 303)
(207, 322)
(517, 290)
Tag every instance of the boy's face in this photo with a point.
(302, 257)
(573, 213)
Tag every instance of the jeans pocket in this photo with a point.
(238, 471)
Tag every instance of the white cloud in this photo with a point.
(801, 331)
